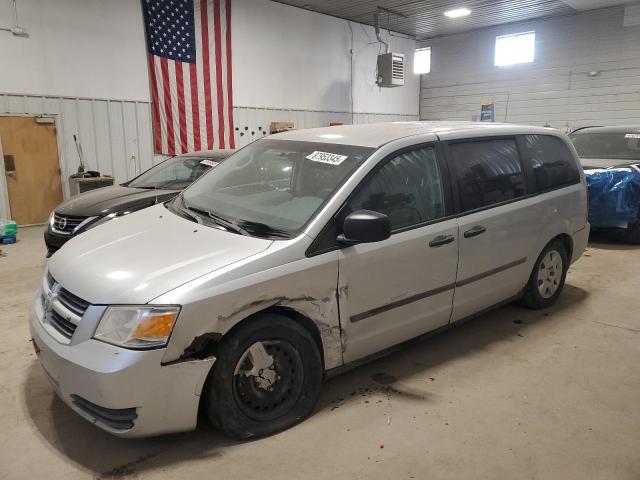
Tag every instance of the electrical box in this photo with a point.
(391, 70)
(79, 185)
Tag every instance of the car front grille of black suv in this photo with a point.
(66, 223)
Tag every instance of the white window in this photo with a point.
(515, 48)
(422, 60)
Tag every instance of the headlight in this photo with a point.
(51, 218)
(137, 327)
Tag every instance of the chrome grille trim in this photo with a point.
(65, 310)
(66, 224)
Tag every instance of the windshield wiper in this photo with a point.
(227, 224)
(262, 229)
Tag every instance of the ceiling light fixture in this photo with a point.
(458, 12)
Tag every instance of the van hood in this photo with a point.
(135, 258)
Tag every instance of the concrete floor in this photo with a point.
(513, 394)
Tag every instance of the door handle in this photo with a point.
(441, 240)
(475, 231)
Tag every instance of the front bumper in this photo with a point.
(128, 393)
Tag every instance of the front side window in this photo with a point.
(406, 188)
(274, 187)
(552, 162)
(173, 174)
(487, 172)
(608, 145)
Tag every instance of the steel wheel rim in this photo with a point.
(550, 274)
(256, 396)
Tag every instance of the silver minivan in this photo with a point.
(303, 253)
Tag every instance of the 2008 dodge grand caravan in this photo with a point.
(302, 253)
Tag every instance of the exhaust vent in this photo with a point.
(390, 70)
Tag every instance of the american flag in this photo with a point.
(189, 52)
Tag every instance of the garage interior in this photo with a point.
(514, 393)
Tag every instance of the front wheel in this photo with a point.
(266, 378)
(547, 278)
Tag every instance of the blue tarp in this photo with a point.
(614, 196)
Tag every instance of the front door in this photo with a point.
(499, 224)
(31, 168)
(399, 288)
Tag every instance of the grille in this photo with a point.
(50, 280)
(72, 302)
(63, 326)
(116, 418)
(66, 223)
(65, 311)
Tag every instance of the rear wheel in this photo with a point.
(266, 378)
(547, 278)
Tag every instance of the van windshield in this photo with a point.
(272, 188)
(608, 145)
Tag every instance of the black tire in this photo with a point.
(632, 235)
(532, 297)
(228, 397)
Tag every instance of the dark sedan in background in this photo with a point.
(158, 184)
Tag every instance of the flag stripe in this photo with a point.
(195, 108)
(181, 113)
(218, 57)
(157, 137)
(168, 111)
(229, 78)
(163, 119)
(206, 71)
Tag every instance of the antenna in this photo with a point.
(79, 149)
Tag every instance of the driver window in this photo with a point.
(407, 188)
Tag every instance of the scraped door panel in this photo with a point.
(396, 289)
(403, 286)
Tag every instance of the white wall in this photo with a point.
(285, 57)
(291, 64)
(78, 48)
(555, 89)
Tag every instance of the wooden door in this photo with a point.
(32, 169)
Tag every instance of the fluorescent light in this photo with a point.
(458, 12)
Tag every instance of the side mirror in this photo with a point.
(365, 226)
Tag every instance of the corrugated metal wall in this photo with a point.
(115, 135)
(556, 89)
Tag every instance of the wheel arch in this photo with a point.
(206, 344)
(567, 241)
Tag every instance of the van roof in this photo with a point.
(377, 134)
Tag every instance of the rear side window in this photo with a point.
(487, 172)
(407, 188)
(552, 162)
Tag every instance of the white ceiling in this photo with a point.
(425, 19)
